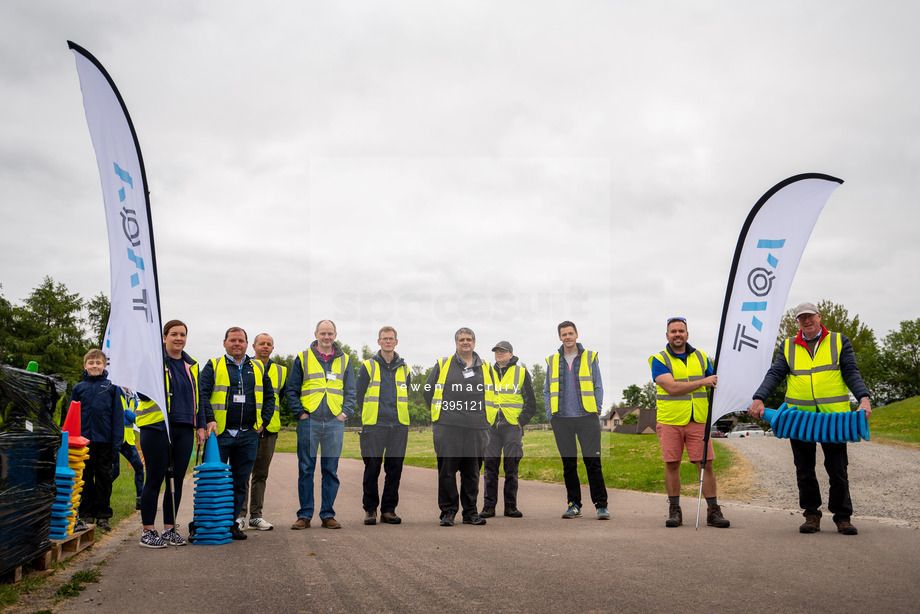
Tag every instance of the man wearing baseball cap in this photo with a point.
(820, 372)
(515, 406)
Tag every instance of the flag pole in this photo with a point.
(116, 145)
(706, 435)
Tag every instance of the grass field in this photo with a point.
(898, 422)
(630, 462)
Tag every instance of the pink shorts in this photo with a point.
(673, 439)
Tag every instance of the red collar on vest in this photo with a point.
(801, 340)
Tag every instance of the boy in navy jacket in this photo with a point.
(102, 422)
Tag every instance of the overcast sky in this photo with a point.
(497, 165)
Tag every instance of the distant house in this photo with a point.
(613, 421)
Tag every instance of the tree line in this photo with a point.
(890, 368)
(55, 328)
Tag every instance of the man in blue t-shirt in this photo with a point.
(682, 374)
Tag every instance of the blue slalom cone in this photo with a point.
(63, 470)
(62, 508)
(214, 501)
(212, 457)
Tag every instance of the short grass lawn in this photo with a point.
(898, 422)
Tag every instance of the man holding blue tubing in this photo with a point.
(820, 371)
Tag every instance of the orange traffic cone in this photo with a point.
(72, 426)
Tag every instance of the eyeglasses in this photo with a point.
(387, 340)
(677, 319)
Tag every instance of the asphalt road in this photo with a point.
(540, 563)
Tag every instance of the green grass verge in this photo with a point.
(76, 584)
(630, 462)
(897, 422)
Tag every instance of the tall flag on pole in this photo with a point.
(133, 341)
(766, 258)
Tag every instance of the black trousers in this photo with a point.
(383, 446)
(459, 449)
(587, 430)
(835, 463)
(155, 447)
(505, 438)
(95, 501)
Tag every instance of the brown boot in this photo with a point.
(370, 518)
(812, 524)
(844, 526)
(331, 523)
(675, 517)
(302, 523)
(714, 517)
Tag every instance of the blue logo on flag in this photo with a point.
(760, 284)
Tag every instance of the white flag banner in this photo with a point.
(766, 258)
(133, 341)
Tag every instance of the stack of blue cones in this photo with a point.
(62, 510)
(213, 498)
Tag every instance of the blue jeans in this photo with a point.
(240, 453)
(130, 453)
(326, 438)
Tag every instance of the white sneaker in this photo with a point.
(260, 524)
(241, 523)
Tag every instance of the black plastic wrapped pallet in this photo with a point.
(29, 441)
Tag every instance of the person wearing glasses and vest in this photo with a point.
(515, 406)
(682, 373)
(820, 371)
(383, 398)
(320, 393)
(263, 345)
(237, 394)
(460, 394)
(574, 393)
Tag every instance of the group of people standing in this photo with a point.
(478, 413)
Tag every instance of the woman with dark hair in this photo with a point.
(184, 418)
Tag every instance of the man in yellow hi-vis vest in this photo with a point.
(820, 371)
(320, 393)
(263, 345)
(516, 405)
(682, 374)
(383, 398)
(235, 393)
(460, 394)
(574, 393)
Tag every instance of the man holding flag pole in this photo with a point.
(682, 373)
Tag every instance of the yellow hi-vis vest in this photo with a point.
(278, 375)
(508, 396)
(679, 410)
(222, 389)
(816, 384)
(372, 396)
(444, 365)
(585, 369)
(129, 430)
(317, 386)
(149, 413)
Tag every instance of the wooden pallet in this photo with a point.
(61, 550)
